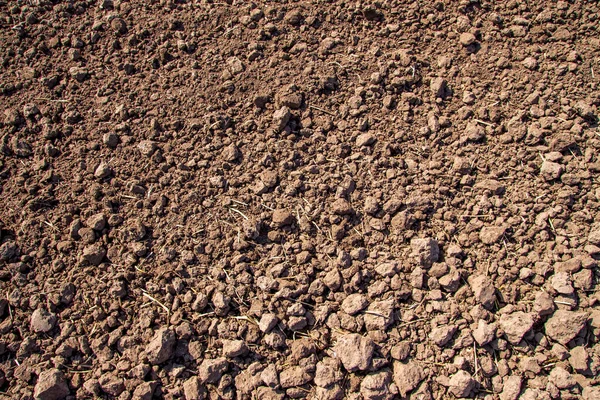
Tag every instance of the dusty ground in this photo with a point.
(284, 200)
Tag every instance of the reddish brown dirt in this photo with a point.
(322, 199)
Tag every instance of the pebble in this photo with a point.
(425, 250)
(281, 118)
(51, 385)
(234, 348)
(516, 325)
(162, 346)
(103, 171)
(354, 303)
(407, 376)
(355, 352)
(467, 38)
(42, 321)
(211, 370)
(565, 325)
(461, 384)
(365, 139)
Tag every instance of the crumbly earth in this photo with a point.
(318, 199)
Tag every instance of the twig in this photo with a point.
(145, 294)
(483, 122)
(322, 110)
(239, 212)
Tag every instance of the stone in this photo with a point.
(425, 250)
(379, 315)
(145, 391)
(561, 282)
(579, 359)
(234, 348)
(511, 388)
(491, 234)
(461, 384)
(51, 385)
(161, 348)
(42, 321)
(281, 118)
(483, 290)
(193, 389)
(267, 322)
(565, 325)
(354, 351)
(376, 385)
(543, 303)
(211, 370)
(354, 303)
(442, 334)
(294, 376)
(282, 217)
(516, 325)
(365, 139)
(467, 38)
(561, 378)
(484, 333)
(407, 376)
(551, 170)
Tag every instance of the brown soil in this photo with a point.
(326, 199)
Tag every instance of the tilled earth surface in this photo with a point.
(323, 199)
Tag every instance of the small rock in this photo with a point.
(42, 321)
(365, 139)
(484, 333)
(439, 87)
(281, 118)
(231, 153)
(193, 389)
(342, 207)
(147, 147)
(161, 348)
(442, 334)
(543, 304)
(591, 393)
(80, 74)
(467, 38)
(355, 352)
(234, 348)
(93, 254)
(491, 234)
(561, 282)
(461, 384)
(328, 372)
(97, 222)
(407, 376)
(565, 325)
(579, 359)
(103, 171)
(516, 325)
(354, 303)
(379, 315)
(111, 140)
(483, 290)
(51, 385)
(145, 391)
(267, 322)
(282, 217)
(235, 65)
(376, 385)
(511, 388)
(426, 251)
(561, 378)
(211, 370)
(294, 376)
(551, 170)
